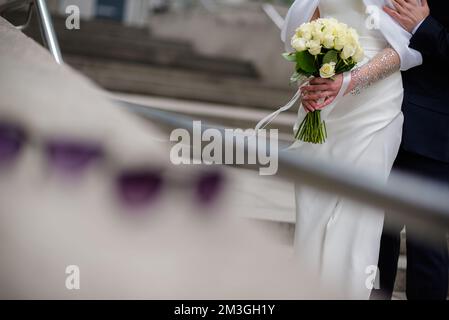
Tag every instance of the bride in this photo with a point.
(338, 239)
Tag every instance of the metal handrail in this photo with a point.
(47, 30)
(273, 14)
(402, 197)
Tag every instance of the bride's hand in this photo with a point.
(321, 92)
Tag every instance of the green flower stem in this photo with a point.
(312, 129)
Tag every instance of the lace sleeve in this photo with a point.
(384, 64)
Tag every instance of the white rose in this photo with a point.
(327, 70)
(307, 35)
(330, 21)
(354, 35)
(340, 39)
(328, 41)
(305, 27)
(317, 32)
(330, 28)
(359, 54)
(348, 51)
(299, 44)
(305, 31)
(314, 47)
(318, 35)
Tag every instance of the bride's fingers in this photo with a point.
(326, 102)
(315, 81)
(318, 95)
(322, 87)
(308, 106)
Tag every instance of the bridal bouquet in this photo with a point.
(323, 48)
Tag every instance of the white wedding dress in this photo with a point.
(337, 239)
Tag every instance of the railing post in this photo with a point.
(47, 30)
(273, 14)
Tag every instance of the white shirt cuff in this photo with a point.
(417, 27)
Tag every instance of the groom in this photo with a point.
(425, 146)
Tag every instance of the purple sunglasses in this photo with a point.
(136, 187)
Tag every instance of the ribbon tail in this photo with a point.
(268, 119)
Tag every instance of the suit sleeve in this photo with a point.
(431, 39)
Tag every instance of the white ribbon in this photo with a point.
(268, 119)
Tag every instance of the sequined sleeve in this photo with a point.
(384, 64)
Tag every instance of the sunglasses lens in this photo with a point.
(209, 186)
(138, 188)
(12, 138)
(72, 156)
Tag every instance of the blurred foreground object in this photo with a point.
(50, 222)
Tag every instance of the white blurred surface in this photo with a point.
(172, 249)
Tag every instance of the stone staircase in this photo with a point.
(112, 41)
(400, 284)
(132, 60)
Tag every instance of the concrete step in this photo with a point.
(180, 84)
(229, 116)
(110, 28)
(129, 59)
(400, 283)
(114, 41)
(152, 53)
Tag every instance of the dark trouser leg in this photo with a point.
(427, 268)
(427, 263)
(388, 262)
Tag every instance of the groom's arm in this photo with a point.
(431, 39)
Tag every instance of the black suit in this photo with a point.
(424, 151)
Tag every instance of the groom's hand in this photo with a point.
(409, 13)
